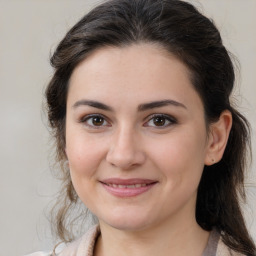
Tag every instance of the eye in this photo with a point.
(95, 121)
(160, 120)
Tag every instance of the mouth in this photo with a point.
(128, 187)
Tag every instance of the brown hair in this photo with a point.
(181, 29)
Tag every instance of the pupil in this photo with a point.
(159, 121)
(97, 121)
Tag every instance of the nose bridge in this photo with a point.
(125, 139)
(125, 150)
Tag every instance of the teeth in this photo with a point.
(127, 186)
(130, 186)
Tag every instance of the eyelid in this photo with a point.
(170, 118)
(87, 117)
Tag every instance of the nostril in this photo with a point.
(124, 151)
(125, 160)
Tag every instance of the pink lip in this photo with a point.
(118, 187)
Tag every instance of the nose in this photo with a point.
(125, 151)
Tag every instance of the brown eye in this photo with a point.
(159, 121)
(97, 121)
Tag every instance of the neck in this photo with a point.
(187, 238)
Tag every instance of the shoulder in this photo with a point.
(83, 246)
(217, 247)
(39, 254)
(224, 250)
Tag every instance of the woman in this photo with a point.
(146, 135)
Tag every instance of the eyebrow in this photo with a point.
(161, 103)
(141, 107)
(92, 103)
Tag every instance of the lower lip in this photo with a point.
(127, 192)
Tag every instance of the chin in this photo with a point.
(126, 222)
(130, 226)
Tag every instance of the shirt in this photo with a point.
(84, 246)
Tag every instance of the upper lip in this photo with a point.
(133, 181)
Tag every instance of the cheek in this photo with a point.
(181, 155)
(182, 147)
(84, 154)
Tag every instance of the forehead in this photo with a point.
(139, 71)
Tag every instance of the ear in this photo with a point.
(218, 138)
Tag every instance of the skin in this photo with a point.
(125, 141)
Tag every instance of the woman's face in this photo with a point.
(136, 137)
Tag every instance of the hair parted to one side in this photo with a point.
(178, 27)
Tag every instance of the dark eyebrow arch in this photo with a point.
(142, 107)
(92, 103)
(158, 104)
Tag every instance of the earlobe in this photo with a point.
(218, 138)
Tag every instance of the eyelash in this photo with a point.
(171, 121)
(165, 118)
(85, 120)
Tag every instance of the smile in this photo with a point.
(127, 188)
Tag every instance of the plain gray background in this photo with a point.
(29, 31)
